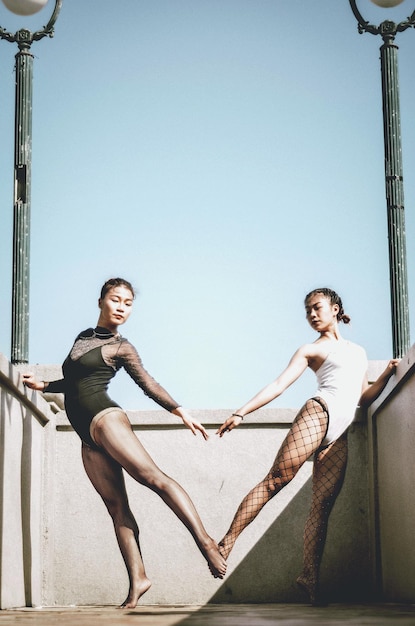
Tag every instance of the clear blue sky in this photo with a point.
(226, 156)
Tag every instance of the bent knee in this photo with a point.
(279, 479)
(120, 512)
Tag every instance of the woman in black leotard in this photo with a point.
(109, 444)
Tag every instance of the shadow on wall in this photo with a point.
(268, 572)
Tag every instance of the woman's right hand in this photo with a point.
(232, 422)
(29, 380)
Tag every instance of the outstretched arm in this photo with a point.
(131, 361)
(373, 391)
(297, 365)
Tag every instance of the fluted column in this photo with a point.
(22, 177)
(395, 198)
(21, 215)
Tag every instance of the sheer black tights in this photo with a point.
(303, 439)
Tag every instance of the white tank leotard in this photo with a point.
(340, 378)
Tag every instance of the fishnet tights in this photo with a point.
(328, 475)
(304, 438)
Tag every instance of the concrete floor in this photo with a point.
(214, 615)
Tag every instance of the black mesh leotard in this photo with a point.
(93, 361)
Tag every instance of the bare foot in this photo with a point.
(216, 562)
(135, 594)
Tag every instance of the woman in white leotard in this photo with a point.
(320, 428)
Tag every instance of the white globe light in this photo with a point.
(387, 4)
(24, 7)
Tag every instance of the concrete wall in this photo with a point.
(26, 436)
(71, 545)
(217, 474)
(392, 438)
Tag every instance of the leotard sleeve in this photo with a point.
(55, 386)
(127, 357)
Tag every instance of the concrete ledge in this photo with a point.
(212, 418)
(11, 381)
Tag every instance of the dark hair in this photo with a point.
(334, 299)
(116, 282)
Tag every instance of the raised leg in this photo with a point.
(303, 438)
(115, 435)
(107, 478)
(328, 477)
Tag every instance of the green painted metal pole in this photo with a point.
(395, 198)
(393, 174)
(21, 215)
(22, 182)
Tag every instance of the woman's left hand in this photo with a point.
(191, 423)
(391, 366)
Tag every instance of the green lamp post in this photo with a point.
(393, 170)
(22, 169)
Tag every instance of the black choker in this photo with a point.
(102, 333)
(99, 331)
